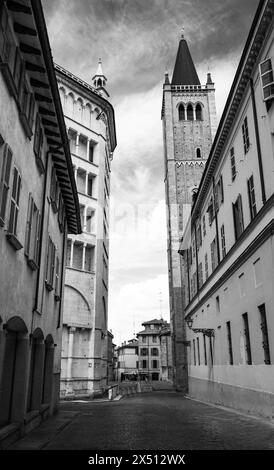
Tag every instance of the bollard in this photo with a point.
(110, 393)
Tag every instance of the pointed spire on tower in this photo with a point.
(99, 79)
(184, 71)
(167, 82)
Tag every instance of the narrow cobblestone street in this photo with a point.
(159, 420)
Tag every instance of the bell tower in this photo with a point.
(100, 81)
(189, 126)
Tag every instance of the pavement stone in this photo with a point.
(162, 420)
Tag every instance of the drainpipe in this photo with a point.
(62, 275)
(196, 251)
(188, 280)
(258, 143)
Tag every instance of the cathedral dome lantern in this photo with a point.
(100, 80)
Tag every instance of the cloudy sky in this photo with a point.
(137, 41)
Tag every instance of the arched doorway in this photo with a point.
(36, 370)
(48, 370)
(14, 374)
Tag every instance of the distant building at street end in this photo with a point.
(228, 245)
(127, 361)
(166, 364)
(149, 364)
(110, 356)
(38, 208)
(90, 122)
(189, 126)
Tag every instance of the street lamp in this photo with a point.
(206, 331)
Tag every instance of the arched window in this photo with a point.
(181, 112)
(62, 96)
(198, 153)
(79, 109)
(70, 104)
(198, 112)
(189, 112)
(99, 82)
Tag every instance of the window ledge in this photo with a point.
(32, 264)
(49, 287)
(40, 164)
(13, 240)
(8, 78)
(26, 125)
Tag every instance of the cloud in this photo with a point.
(139, 302)
(137, 41)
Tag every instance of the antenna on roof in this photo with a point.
(160, 302)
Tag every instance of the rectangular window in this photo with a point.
(50, 265)
(229, 342)
(54, 191)
(210, 211)
(218, 304)
(198, 351)
(144, 352)
(90, 185)
(211, 350)
(242, 285)
(154, 364)
(213, 247)
(251, 197)
(38, 143)
(258, 272)
(5, 180)
(194, 352)
(144, 339)
(8, 50)
(144, 364)
(247, 339)
(245, 133)
(61, 212)
(200, 274)
(265, 339)
(267, 80)
(57, 279)
(154, 339)
(238, 217)
(223, 241)
(204, 226)
(205, 353)
(219, 193)
(32, 237)
(233, 164)
(206, 266)
(14, 203)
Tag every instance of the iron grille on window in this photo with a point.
(264, 329)
(245, 135)
(251, 197)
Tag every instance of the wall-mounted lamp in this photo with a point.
(206, 331)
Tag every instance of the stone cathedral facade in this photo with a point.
(189, 126)
(90, 123)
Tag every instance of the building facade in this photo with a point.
(89, 118)
(166, 364)
(189, 125)
(127, 361)
(38, 208)
(227, 249)
(149, 350)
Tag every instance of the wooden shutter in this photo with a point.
(37, 239)
(5, 179)
(36, 135)
(14, 206)
(29, 226)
